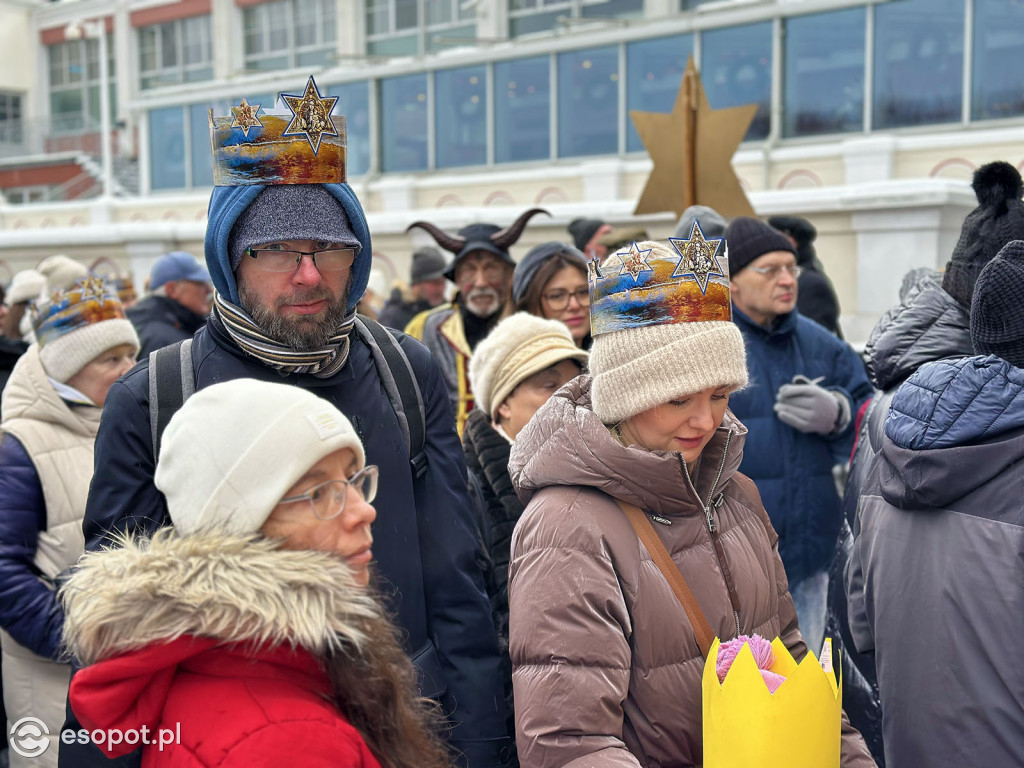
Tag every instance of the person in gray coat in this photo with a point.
(936, 576)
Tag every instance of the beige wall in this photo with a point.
(19, 71)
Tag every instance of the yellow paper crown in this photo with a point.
(746, 726)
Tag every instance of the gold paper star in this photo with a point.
(92, 287)
(634, 261)
(311, 115)
(57, 297)
(245, 117)
(698, 257)
(692, 149)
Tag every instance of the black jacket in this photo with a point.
(397, 312)
(816, 299)
(424, 542)
(161, 321)
(10, 352)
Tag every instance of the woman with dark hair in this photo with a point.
(551, 282)
(247, 630)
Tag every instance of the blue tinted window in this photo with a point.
(918, 62)
(460, 117)
(997, 78)
(522, 110)
(167, 148)
(654, 73)
(354, 104)
(403, 124)
(824, 66)
(588, 102)
(736, 69)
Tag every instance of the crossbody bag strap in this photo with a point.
(645, 532)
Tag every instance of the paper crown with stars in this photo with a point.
(797, 726)
(304, 146)
(90, 301)
(652, 283)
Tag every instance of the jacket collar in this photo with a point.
(781, 326)
(30, 395)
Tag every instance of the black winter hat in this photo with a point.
(749, 238)
(997, 322)
(583, 231)
(428, 263)
(801, 230)
(998, 219)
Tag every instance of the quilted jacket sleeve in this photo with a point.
(850, 379)
(570, 676)
(29, 610)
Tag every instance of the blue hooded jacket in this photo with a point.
(793, 470)
(425, 547)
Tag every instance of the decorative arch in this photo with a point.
(114, 270)
(77, 221)
(20, 224)
(384, 262)
(171, 216)
(499, 196)
(800, 174)
(553, 194)
(449, 201)
(139, 216)
(952, 162)
(201, 214)
(47, 222)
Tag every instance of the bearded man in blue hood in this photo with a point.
(289, 263)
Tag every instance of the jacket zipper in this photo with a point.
(709, 514)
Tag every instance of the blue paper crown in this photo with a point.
(90, 301)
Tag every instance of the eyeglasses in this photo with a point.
(325, 260)
(559, 300)
(327, 500)
(772, 273)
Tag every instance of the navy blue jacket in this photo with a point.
(161, 321)
(792, 469)
(29, 611)
(424, 541)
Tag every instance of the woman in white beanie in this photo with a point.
(49, 416)
(246, 632)
(607, 664)
(513, 372)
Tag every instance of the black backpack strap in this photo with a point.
(403, 390)
(171, 383)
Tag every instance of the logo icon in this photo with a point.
(29, 737)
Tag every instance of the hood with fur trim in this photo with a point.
(232, 588)
(227, 204)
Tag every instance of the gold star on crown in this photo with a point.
(245, 117)
(634, 261)
(699, 257)
(92, 287)
(311, 115)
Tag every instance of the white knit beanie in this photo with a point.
(75, 327)
(518, 347)
(25, 285)
(61, 272)
(234, 449)
(636, 369)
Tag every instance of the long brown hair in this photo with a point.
(532, 300)
(375, 688)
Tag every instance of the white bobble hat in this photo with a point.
(25, 285)
(234, 449)
(61, 272)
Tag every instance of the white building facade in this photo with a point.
(872, 115)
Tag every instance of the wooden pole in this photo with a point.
(690, 134)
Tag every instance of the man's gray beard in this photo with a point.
(471, 308)
(301, 335)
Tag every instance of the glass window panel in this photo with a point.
(66, 104)
(323, 56)
(305, 24)
(277, 23)
(253, 24)
(406, 14)
(438, 40)
(394, 46)
(377, 17)
(654, 73)
(613, 8)
(737, 69)
(167, 148)
(536, 22)
(268, 64)
(328, 21)
(997, 86)
(437, 11)
(196, 40)
(588, 98)
(522, 110)
(198, 75)
(460, 107)
(824, 73)
(75, 68)
(354, 104)
(57, 68)
(147, 49)
(169, 44)
(403, 124)
(92, 52)
(918, 62)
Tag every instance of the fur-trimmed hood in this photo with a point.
(214, 585)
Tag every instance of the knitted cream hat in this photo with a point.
(518, 347)
(61, 272)
(27, 284)
(635, 369)
(233, 450)
(75, 327)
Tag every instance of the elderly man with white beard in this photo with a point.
(482, 272)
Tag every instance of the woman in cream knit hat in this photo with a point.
(606, 665)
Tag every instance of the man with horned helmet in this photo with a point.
(482, 272)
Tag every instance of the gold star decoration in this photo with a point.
(698, 257)
(92, 287)
(692, 148)
(245, 117)
(634, 261)
(311, 115)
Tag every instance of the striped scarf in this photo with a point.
(250, 338)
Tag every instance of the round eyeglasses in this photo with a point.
(327, 500)
(326, 260)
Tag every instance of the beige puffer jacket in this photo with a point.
(607, 671)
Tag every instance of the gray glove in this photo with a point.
(808, 407)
